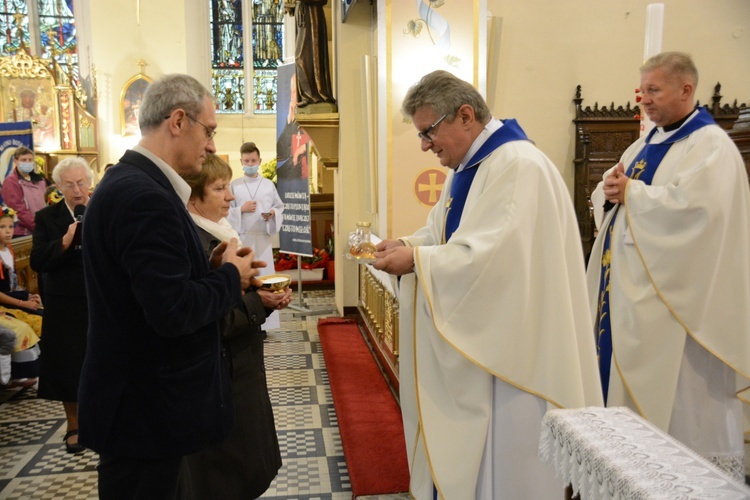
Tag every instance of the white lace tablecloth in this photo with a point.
(612, 453)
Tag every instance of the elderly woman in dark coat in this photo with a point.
(56, 253)
(244, 465)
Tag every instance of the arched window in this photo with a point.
(45, 27)
(228, 54)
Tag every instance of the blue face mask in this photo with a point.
(26, 167)
(251, 170)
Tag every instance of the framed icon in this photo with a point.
(130, 103)
(34, 100)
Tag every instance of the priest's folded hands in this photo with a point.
(614, 185)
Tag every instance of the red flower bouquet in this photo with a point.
(284, 261)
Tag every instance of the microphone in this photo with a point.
(78, 211)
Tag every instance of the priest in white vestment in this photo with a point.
(494, 328)
(256, 214)
(669, 273)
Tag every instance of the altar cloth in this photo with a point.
(612, 453)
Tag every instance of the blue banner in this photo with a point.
(13, 135)
(292, 169)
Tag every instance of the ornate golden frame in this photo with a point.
(130, 99)
(20, 74)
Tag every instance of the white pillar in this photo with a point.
(290, 37)
(652, 46)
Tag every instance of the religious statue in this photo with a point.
(314, 92)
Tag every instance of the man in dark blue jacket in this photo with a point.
(154, 386)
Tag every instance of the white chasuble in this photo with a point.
(494, 329)
(680, 289)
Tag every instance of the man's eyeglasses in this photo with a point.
(425, 134)
(210, 133)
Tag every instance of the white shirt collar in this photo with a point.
(178, 183)
(488, 130)
(661, 136)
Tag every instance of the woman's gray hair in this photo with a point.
(167, 94)
(444, 93)
(67, 164)
(674, 64)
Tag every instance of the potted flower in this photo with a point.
(312, 267)
(318, 260)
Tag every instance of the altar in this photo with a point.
(53, 101)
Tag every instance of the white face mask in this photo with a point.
(251, 170)
(26, 167)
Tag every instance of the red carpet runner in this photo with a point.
(369, 417)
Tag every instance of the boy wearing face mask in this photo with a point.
(23, 190)
(256, 213)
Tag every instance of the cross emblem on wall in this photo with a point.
(428, 185)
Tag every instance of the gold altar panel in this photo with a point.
(29, 94)
(379, 311)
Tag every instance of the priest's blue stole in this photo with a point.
(643, 167)
(510, 131)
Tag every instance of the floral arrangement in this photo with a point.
(39, 164)
(268, 170)
(7, 211)
(53, 196)
(318, 260)
(284, 261)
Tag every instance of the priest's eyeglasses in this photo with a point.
(425, 134)
(210, 133)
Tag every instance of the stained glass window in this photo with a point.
(13, 15)
(56, 31)
(228, 54)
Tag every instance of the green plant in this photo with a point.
(268, 170)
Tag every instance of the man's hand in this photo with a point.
(217, 255)
(388, 244)
(398, 259)
(273, 300)
(241, 258)
(248, 207)
(268, 215)
(614, 185)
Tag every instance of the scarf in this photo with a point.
(221, 230)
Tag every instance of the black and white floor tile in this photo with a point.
(34, 465)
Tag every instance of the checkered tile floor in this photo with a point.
(33, 462)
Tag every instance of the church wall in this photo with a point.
(162, 42)
(351, 190)
(117, 43)
(547, 48)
